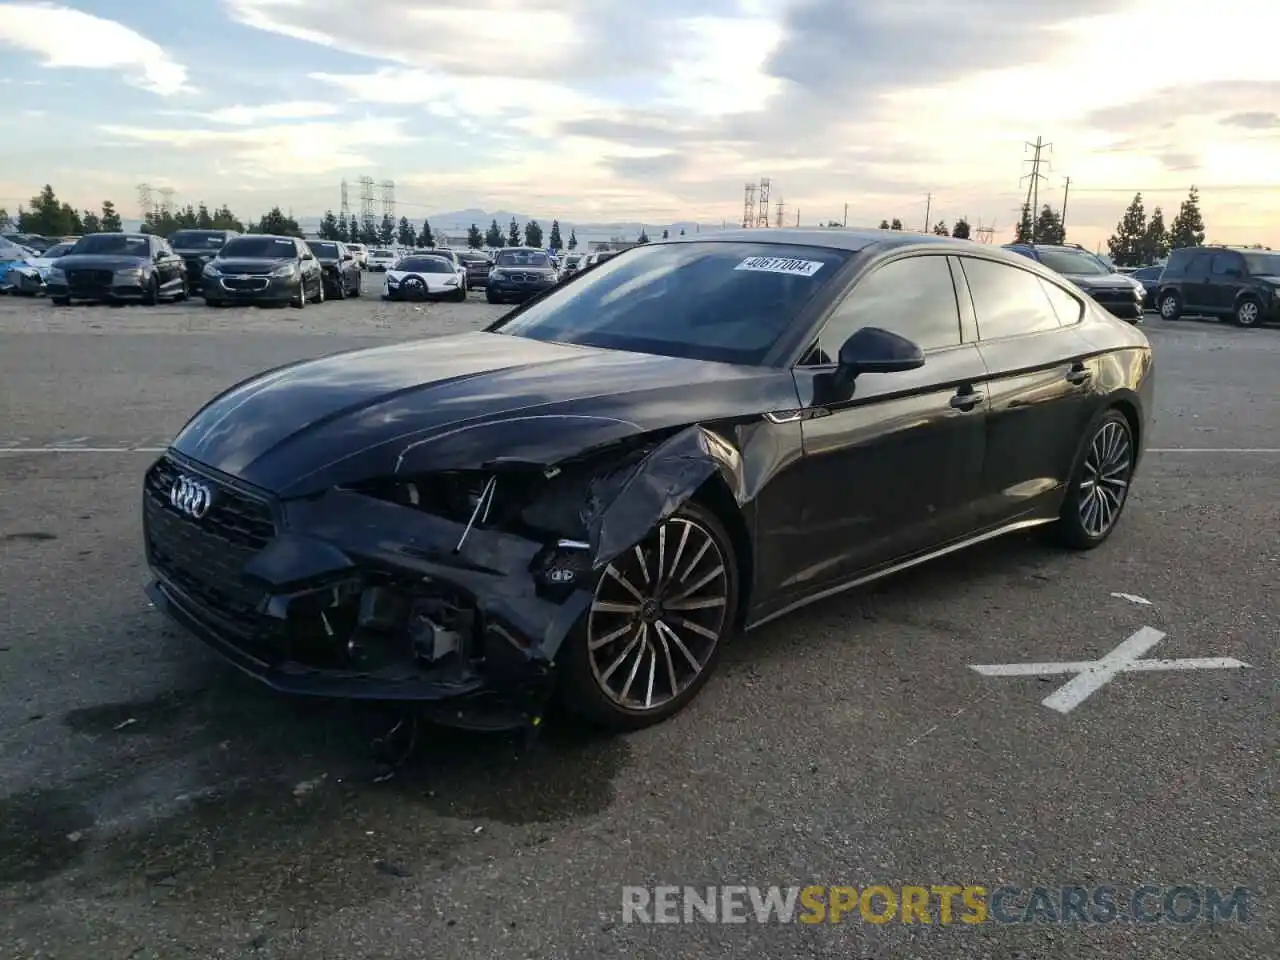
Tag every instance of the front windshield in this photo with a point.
(198, 239)
(522, 258)
(260, 248)
(1076, 262)
(58, 250)
(382, 253)
(1263, 264)
(425, 265)
(124, 244)
(329, 251)
(725, 302)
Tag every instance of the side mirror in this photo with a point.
(875, 350)
(347, 256)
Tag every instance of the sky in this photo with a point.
(613, 110)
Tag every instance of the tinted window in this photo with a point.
(382, 253)
(260, 247)
(1077, 262)
(58, 250)
(1008, 301)
(1068, 308)
(1198, 265)
(915, 298)
(1147, 274)
(522, 258)
(327, 250)
(1226, 263)
(425, 265)
(123, 244)
(1263, 264)
(726, 302)
(198, 239)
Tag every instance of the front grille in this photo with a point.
(1115, 296)
(245, 283)
(525, 277)
(204, 558)
(89, 279)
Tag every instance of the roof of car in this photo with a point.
(851, 240)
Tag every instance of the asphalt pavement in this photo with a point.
(153, 804)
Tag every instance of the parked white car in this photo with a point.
(424, 277)
(382, 259)
(360, 252)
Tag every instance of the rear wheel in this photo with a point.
(1100, 484)
(659, 618)
(1170, 306)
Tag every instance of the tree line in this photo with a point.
(961, 230)
(46, 215)
(388, 231)
(1139, 241)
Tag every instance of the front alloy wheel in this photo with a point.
(1248, 314)
(1100, 488)
(1170, 308)
(659, 618)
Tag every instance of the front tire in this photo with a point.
(319, 291)
(1248, 313)
(152, 295)
(60, 301)
(300, 301)
(1170, 306)
(1099, 486)
(660, 617)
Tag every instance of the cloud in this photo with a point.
(291, 110)
(1254, 120)
(71, 38)
(284, 149)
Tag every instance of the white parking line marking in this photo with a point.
(1092, 675)
(1213, 450)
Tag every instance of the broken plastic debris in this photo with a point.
(1132, 598)
(125, 723)
(306, 786)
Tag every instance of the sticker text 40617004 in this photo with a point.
(794, 268)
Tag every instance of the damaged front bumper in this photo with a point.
(347, 596)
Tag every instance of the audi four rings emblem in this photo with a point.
(191, 497)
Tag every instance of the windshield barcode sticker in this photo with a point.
(795, 268)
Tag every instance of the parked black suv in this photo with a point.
(196, 248)
(1120, 295)
(1242, 284)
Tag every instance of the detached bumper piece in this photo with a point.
(334, 597)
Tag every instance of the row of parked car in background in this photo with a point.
(224, 267)
(1240, 284)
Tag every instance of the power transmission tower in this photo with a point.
(845, 221)
(762, 217)
(166, 201)
(1034, 177)
(388, 190)
(985, 234)
(366, 199)
(749, 205)
(781, 208)
(928, 206)
(146, 201)
(346, 203)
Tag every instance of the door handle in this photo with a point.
(966, 399)
(1079, 373)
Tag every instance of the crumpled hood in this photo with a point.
(456, 402)
(101, 261)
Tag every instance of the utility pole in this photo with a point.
(1065, 191)
(845, 222)
(928, 206)
(797, 219)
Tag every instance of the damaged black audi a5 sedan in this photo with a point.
(592, 495)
